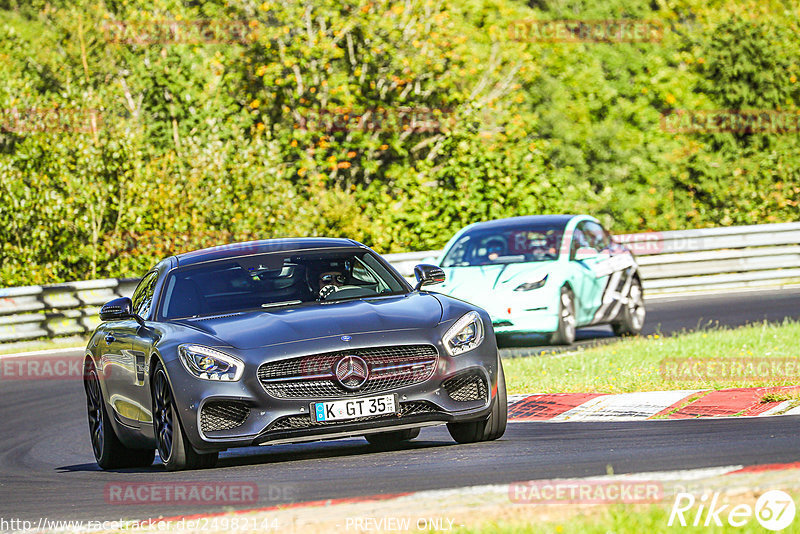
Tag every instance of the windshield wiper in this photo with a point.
(284, 303)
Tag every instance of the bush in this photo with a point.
(394, 123)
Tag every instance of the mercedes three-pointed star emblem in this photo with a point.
(352, 372)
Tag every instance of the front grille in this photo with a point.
(469, 386)
(301, 422)
(313, 377)
(222, 415)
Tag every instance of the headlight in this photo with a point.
(531, 285)
(465, 335)
(210, 364)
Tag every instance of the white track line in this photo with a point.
(793, 411)
(775, 409)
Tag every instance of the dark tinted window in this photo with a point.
(514, 244)
(143, 296)
(276, 280)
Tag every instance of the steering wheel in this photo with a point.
(330, 289)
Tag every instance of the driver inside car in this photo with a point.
(330, 281)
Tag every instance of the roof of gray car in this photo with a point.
(262, 247)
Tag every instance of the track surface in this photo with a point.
(47, 468)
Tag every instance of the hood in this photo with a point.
(256, 329)
(469, 283)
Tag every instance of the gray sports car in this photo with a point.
(283, 341)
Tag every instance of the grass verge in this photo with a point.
(621, 519)
(763, 354)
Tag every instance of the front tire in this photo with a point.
(632, 314)
(109, 452)
(488, 429)
(565, 335)
(174, 448)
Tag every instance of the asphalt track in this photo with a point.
(47, 469)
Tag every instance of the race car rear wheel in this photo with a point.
(108, 450)
(173, 447)
(390, 439)
(565, 335)
(488, 429)
(631, 317)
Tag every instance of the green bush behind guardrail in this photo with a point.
(394, 123)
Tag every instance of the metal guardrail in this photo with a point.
(674, 262)
(56, 310)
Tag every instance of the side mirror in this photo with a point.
(428, 274)
(118, 310)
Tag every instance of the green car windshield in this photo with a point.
(516, 244)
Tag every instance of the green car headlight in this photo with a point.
(210, 364)
(465, 335)
(527, 286)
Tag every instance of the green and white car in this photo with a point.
(545, 274)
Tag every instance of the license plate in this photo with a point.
(352, 408)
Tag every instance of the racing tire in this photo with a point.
(109, 451)
(393, 438)
(490, 428)
(176, 453)
(565, 334)
(631, 317)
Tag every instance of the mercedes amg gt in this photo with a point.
(283, 341)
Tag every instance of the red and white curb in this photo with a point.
(681, 404)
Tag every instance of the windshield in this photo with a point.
(516, 244)
(269, 281)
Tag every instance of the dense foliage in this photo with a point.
(129, 130)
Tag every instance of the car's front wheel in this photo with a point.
(488, 429)
(631, 316)
(565, 334)
(108, 450)
(173, 447)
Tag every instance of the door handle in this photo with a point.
(110, 339)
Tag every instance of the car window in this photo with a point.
(514, 244)
(596, 236)
(143, 295)
(275, 280)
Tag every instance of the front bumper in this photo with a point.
(517, 312)
(536, 320)
(268, 419)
